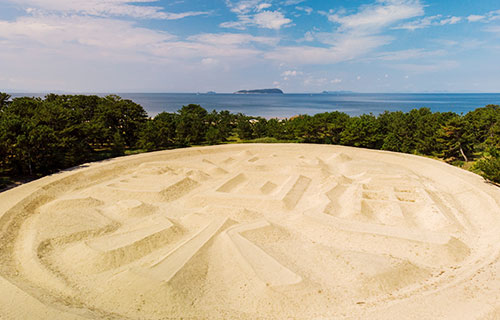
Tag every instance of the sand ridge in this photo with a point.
(249, 231)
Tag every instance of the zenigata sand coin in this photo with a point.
(253, 231)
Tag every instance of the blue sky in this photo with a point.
(227, 45)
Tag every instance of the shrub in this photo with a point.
(490, 168)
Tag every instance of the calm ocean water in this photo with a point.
(287, 105)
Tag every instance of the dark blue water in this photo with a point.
(287, 105)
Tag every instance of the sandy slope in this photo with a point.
(247, 231)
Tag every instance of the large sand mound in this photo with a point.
(253, 231)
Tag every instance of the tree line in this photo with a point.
(39, 136)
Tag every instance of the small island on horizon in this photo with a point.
(260, 91)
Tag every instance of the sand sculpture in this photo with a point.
(249, 231)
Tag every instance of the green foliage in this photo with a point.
(192, 125)
(457, 139)
(363, 131)
(118, 145)
(39, 136)
(279, 129)
(259, 128)
(4, 99)
(212, 135)
(244, 127)
(159, 133)
(485, 123)
(490, 168)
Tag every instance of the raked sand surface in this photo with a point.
(253, 231)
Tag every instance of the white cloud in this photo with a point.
(241, 24)
(494, 15)
(265, 19)
(88, 37)
(419, 24)
(382, 14)
(243, 6)
(346, 48)
(357, 33)
(292, 2)
(104, 8)
(108, 54)
(270, 19)
(307, 10)
(291, 73)
(436, 20)
(58, 31)
(474, 18)
(308, 36)
(490, 16)
(250, 13)
(315, 82)
(450, 20)
(286, 75)
(335, 81)
(263, 6)
(232, 39)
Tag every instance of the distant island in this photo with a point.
(258, 91)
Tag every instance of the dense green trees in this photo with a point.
(60, 131)
(159, 133)
(363, 131)
(38, 136)
(490, 168)
(457, 139)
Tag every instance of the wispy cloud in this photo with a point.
(345, 48)
(372, 18)
(253, 13)
(56, 31)
(487, 17)
(307, 10)
(475, 17)
(105, 8)
(286, 75)
(292, 2)
(232, 39)
(409, 54)
(437, 20)
(85, 36)
(356, 34)
(440, 20)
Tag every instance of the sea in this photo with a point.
(288, 105)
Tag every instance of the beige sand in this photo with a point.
(253, 231)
